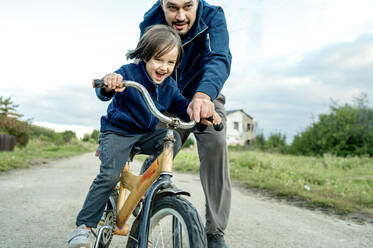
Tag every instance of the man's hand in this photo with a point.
(200, 107)
(113, 81)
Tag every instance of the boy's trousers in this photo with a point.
(114, 150)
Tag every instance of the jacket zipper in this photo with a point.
(196, 36)
(176, 78)
(156, 92)
(208, 39)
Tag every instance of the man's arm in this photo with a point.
(217, 63)
(216, 69)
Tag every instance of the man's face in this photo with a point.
(180, 14)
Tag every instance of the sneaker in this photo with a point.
(215, 241)
(80, 238)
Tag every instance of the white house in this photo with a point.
(240, 127)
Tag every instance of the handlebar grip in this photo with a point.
(219, 127)
(201, 127)
(98, 83)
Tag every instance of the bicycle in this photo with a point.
(163, 217)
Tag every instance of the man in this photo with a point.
(200, 77)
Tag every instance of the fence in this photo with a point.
(7, 142)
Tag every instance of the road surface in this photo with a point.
(38, 207)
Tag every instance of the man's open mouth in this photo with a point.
(180, 25)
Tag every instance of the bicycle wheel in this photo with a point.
(174, 222)
(107, 219)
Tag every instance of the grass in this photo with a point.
(341, 184)
(36, 150)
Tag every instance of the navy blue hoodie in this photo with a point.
(207, 59)
(128, 113)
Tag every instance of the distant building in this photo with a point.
(240, 127)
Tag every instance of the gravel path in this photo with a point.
(38, 207)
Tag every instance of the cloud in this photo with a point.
(68, 106)
(345, 64)
(287, 95)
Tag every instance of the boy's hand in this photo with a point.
(113, 81)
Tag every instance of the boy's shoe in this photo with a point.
(80, 238)
(215, 241)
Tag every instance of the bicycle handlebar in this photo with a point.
(172, 121)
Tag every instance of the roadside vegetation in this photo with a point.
(35, 144)
(340, 184)
(329, 165)
(39, 152)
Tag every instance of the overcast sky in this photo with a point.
(290, 57)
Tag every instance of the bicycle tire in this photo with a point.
(108, 218)
(193, 233)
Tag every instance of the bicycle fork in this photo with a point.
(162, 187)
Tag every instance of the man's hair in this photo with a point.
(156, 41)
(161, 1)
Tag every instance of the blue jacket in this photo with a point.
(128, 113)
(207, 59)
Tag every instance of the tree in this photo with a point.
(10, 124)
(68, 136)
(346, 130)
(8, 108)
(94, 135)
(276, 142)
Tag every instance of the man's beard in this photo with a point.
(182, 33)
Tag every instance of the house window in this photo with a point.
(248, 127)
(235, 125)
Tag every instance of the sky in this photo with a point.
(291, 58)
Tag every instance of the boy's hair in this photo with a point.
(156, 41)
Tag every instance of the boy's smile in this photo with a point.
(159, 68)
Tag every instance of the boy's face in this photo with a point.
(180, 14)
(159, 68)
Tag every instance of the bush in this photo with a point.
(346, 131)
(86, 137)
(276, 142)
(92, 138)
(44, 133)
(12, 126)
(68, 136)
(94, 135)
(259, 141)
(188, 143)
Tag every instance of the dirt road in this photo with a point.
(38, 207)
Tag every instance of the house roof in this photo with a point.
(238, 110)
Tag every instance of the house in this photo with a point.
(240, 127)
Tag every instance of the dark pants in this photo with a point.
(114, 151)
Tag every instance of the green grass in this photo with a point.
(36, 150)
(342, 184)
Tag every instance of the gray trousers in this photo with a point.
(214, 171)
